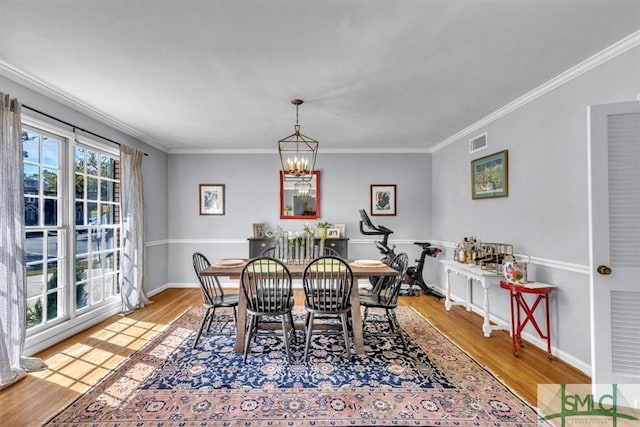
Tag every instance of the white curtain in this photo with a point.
(133, 266)
(13, 282)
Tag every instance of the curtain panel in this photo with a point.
(133, 265)
(13, 281)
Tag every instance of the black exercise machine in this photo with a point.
(414, 274)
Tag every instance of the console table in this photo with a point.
(520, 306)
(472, 273)
(257, 246)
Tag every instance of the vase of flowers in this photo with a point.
(322, 230)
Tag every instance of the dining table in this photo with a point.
(362, 269)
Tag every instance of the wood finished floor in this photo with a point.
(81, 360)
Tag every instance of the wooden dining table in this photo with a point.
(360, 271)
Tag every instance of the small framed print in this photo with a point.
(211, 199)
(333, 233)
(341, 229)
(383, 199)
(259, 231)
(490, 176)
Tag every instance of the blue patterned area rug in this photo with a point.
(167, 383)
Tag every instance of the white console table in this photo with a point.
(471, 273)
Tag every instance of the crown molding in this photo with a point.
(65, 99)
(589, 64)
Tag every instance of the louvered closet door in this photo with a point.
(615, 244)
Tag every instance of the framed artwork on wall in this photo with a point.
(211, 199)
(490, 176)
(383, 199)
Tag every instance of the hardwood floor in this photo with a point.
(81, 360)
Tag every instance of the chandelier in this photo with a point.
(297, 151)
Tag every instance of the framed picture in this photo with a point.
(211, 199)
(490, 176)
(333, 233)
(383, 199)
(341, 229)
(259, 231)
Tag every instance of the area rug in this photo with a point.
(167, 383)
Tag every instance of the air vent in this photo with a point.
(478, 143)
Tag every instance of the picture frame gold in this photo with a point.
(259, 231)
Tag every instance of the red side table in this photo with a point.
(520, 306)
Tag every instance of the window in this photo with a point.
(70, 189)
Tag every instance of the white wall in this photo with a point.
(546, 213)
(252, 195)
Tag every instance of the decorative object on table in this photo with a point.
(333, 233)
(341, 228)
(514, 268)
(490, 176)
(383, 199)
(167, 381)
(297, 151)
(212, 199)
(491, 256)
(259, 231)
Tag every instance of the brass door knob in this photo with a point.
(604, 270)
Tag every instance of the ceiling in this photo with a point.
(375, 75)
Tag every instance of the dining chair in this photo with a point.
(267, 286)
(385, 296)
(327, 282)
(213, 296)
(379, 282)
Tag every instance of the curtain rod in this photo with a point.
(73, 126)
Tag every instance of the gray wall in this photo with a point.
(252, 195)
(546, 213)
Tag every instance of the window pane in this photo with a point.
(52, 275)
(31, 179)
(110, 286)
(79, 160)
(81, 242)
(34, 246)
(92, 163)
(31, 211)
(79, 213)
(50, 212)
(79, 186)
(52, 244)
(106, 167)
(106, 191)
(31, 146)
(50, 151)
(34, 312)
(82, 296)
(50, 182)
(92, 188)
(35, 282)
(52, 305)
(92, 211)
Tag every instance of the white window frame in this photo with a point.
(73, 321)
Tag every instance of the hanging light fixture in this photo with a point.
(297, 151)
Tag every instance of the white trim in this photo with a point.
(156, 243)
(325, 150)
(589, 64)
